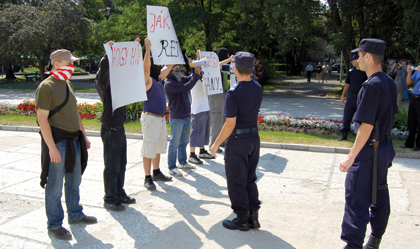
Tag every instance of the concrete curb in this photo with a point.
(299, 147)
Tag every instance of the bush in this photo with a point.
(134, 110)
(401, 119)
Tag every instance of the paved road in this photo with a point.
(302, 195)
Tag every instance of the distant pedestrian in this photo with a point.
(319, 71)
(309, 69)
(413, 123)
(325, 71)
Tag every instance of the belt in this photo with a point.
(383, 138)
(244, 131)
(416, 96)
(353, 94)
(152, 114)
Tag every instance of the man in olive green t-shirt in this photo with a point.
(64, 145)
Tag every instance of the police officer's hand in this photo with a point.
(346, 164)
(213, 150)
(342, 100)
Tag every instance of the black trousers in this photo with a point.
(413, 123)
(242, 154)
(115, 159)
(308, 74)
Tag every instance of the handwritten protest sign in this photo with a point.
(126, 73)
(211, 77)
(161, 32)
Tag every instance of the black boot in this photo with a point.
(373, 243)
(241, 223)
(347, 247)
(343, 136)
(253, 219)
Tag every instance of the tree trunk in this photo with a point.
(10, 75)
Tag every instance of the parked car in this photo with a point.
(336, 67)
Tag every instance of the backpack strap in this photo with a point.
(58, 108)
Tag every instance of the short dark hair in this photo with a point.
(377, 59)
(244, 70)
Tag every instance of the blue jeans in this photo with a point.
(180, 136)
(115, 160)
(53, 189)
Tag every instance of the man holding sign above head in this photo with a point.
(153, 122)
(113, 138)
(176, 88)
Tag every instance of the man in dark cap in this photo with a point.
(354, 81)
(243, 100)
(376, 102)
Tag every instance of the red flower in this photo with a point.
(260, 119)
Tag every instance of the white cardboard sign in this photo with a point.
(211, 77)
(126, 73)
(161, 32)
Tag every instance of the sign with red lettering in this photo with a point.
(126, 73)
(161, 32)
(211, 77)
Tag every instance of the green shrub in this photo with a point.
(134, 110)
(401, 119)
(31, 70)
(79, 70)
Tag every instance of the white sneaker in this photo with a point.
(186, 166)
(175, 172)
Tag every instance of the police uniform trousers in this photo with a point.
(241, 160)
(413, 123)
(358, 187)
(349, 110)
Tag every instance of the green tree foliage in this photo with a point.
(33, 32)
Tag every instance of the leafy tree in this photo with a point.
(42, 29)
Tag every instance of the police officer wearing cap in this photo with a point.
(240, 131)
(354, 81)
(376, 104)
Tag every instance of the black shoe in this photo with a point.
(161, 177)
(373, 243)
(117, 207)
(416, 149)
(60, 233)
(206, 155)
(148, 184)
(128, 200)
(219, 150)
(347, 247)
(241, 223)
(194, 159)
(343, 136)
(85, 220)
(405, 147)
(253, 219)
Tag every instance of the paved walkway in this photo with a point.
(302, 195)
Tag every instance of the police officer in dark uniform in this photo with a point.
(354, 81)
(242, 151)
(376, 102)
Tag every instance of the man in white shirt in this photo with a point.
(200, 120)
(309, 69)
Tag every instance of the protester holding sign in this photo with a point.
(176, 89)
(153, 122)
(217, 101)
(200, 121)
(113, 138)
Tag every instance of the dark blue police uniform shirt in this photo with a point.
(355, 78)
(243, 100)
(377, 101)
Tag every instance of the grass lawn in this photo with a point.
(276, 84)
(17, 80)
(337, 91)
(266, 136)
